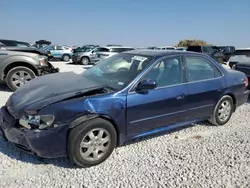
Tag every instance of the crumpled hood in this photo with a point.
(48, 89)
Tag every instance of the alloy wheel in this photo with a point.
(95, 144)
(20, 77)
(66, 58)
(224, 111)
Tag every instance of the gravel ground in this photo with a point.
(198, 156)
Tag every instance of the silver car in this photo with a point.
(92, 56)
(112, 50)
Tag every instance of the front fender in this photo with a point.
(76, 111)
(82, 119)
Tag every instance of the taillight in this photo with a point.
(246, 82)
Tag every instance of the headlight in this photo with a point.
(43, 60)
(37, 121)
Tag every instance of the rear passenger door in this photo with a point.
(205, 83)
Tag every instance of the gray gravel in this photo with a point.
(199, 156)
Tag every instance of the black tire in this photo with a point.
(215, 119)
(85, 61)
(10, 80)
(66, 57)
(77, 135)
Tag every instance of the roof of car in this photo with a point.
(242, 49)
(148, 52)
(118, 47)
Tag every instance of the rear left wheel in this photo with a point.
(223, 111)
(91, 143)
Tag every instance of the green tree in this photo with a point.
(188, 42)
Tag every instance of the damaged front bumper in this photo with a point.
(50, 143)
(50, 69)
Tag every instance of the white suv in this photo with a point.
(165, 48)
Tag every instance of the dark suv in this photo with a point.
(221, 55)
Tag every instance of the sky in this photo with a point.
(136, 23)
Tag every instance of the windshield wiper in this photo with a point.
(109, 88)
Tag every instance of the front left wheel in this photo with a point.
(91, 143)
(18, 76)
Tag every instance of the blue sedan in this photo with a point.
(129, 95)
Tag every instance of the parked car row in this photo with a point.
(92, 54)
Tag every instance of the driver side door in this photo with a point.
(165, 105)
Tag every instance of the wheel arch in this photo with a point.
(18, 64)
(85, 118)
(85, 56)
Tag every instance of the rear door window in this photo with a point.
(101, 49)
(198, 69)
(59, 48)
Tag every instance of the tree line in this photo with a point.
(193, 42)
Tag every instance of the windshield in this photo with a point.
(23, 44)
(117, 71)
(208, 49)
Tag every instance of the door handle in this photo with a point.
(180, 97)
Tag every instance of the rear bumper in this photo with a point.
(242, 98)
(46, 144)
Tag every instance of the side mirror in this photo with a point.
(146, 85)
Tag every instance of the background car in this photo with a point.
(88, 55)
(84, 48)
(92, 56)
(112, 50)
(212, 51)
(63, 53)
(181, 48)
(18, 67)
(165, 48)
(240, 55)
(243, 67)
(151, 47)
